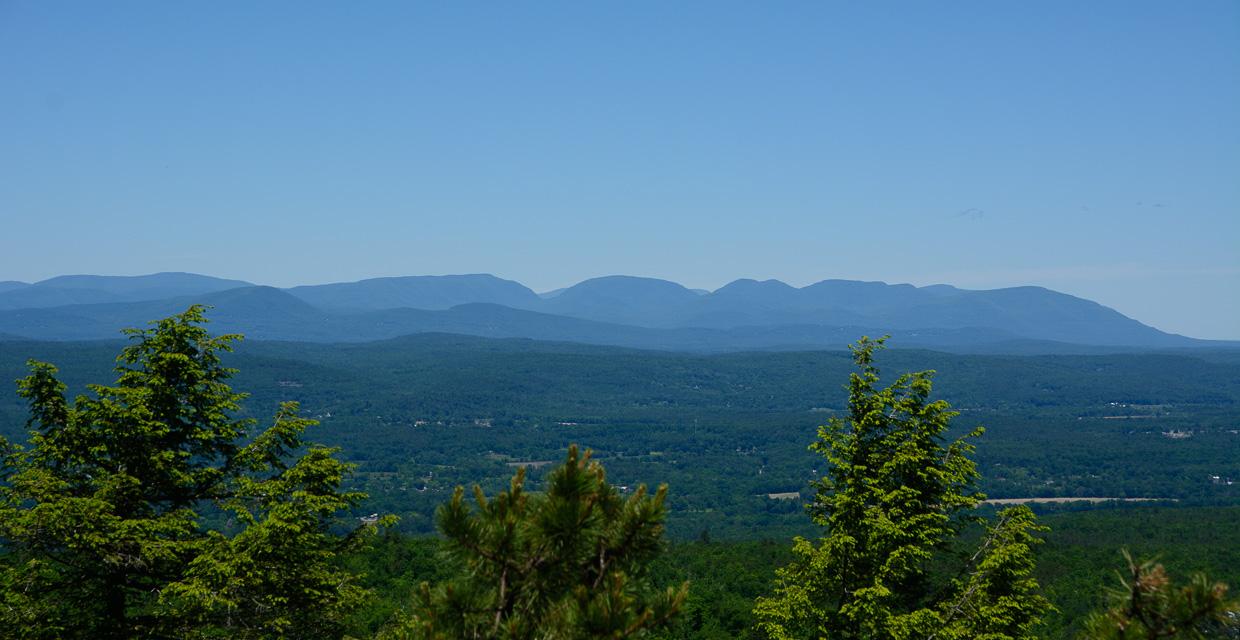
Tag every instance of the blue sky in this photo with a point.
(1091, 147)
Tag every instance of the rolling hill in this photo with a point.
(417, 292)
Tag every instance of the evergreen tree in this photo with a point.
(102, 516)
(568, 563)
(1147, 606)
(894, 503)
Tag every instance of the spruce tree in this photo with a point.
(102, 515)
(894, 502)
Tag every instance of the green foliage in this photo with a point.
(1148, 606)
(1082, 552)
(999, 598)
(102, 516)
(392, 567)
(572, 562)
(893, 501)
(723, 430)
(1078, 557)
(725, 579)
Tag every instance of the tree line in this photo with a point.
(148, 509)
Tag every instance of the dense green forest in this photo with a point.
(728, 434)
(1075, 566)
(423, 414)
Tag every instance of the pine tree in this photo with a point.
(102, 516)
(894, 503)
(568, 563)
(1147, 606)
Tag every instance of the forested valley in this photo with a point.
(1146, 444)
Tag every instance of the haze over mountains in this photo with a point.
(615, 310)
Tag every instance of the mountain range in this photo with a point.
(614, 310)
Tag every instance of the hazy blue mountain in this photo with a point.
(11, 285)
(496, 321)
(89, 289)
(744, 302)
(648, 302)
(260, 311)
(615, 310)
(1031, 313)
(35, 297)
(417, 292)
(150, 287)
(864, 297)
(748, 302)
(765, 293)
(265, 313)
(939, 289)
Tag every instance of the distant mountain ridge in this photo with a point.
(614, 310)
(89, 289)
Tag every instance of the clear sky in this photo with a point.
(1090, 147)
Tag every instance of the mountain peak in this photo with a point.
(632, 281)
(750, 284)
(417, 292)
(626, 287)
(759, 292)
(622, 299)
